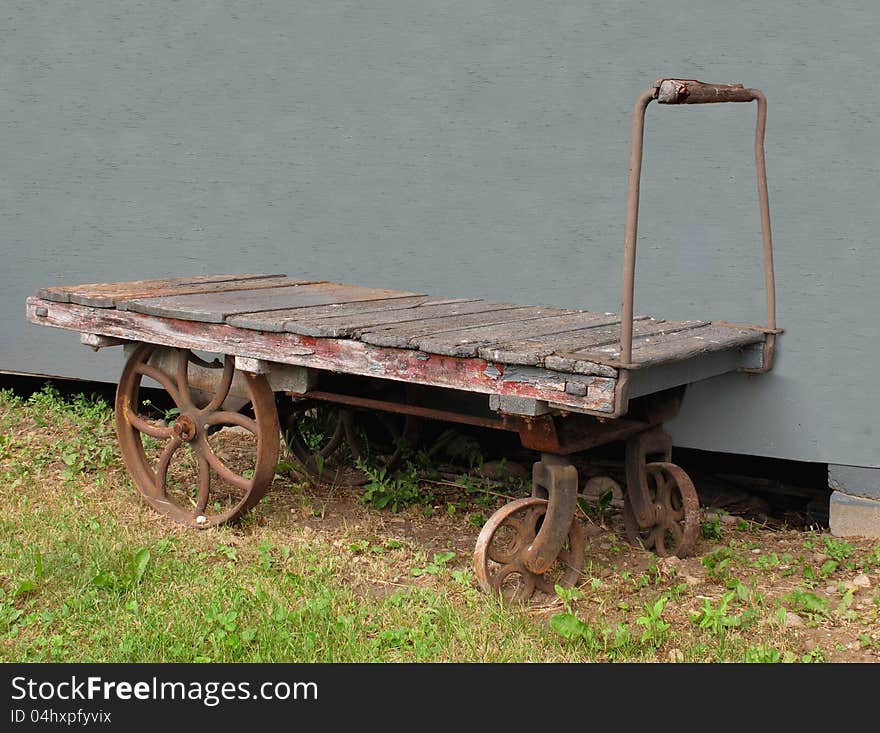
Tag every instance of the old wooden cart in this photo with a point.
(334, 356)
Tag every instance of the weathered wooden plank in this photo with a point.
(398, 333)
(331, 320)
(662, 348)
(422, 317)
(217, 307)
(533, 351)
(105, 295)
(469, 342)
(409, 335)
(339, 355)
(224, 286)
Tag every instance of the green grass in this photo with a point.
(89, 573)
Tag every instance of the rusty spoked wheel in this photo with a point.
(501, 547)
(201, 462)
(328, 440)
(676, 508)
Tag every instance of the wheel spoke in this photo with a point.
(183, 377)
(526, 585)
(227, 417)
(674, 529)
(223, 388)
(221, 469)
(658, 540)
(530, 520)
(661, 487)
(204, 485)
(148, 428)
(674, 514)
(504, 553)
(162, 465)
(148, 370)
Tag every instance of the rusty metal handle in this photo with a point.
(690, 91)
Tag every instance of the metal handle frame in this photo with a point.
(690, 91)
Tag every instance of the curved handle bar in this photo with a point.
(691, 91)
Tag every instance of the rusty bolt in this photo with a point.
(185, 428)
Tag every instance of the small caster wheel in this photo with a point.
(677, 511)
(501, 546)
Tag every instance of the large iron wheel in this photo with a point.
(501, 547)
(197, 462)
(328, 441)
(676, 508)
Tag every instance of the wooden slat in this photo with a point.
(423, 317)
(409, 335)
(217, 307)
(660, 349)
(606, 331)
(469, 342)
(531, 351)
(335, 315)
(105, 295)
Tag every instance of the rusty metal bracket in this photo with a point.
(690, 91)
(553, 478)
(535, 433)
(653, 442)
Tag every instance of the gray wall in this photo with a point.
(464, 148)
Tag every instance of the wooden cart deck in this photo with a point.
(569, 359)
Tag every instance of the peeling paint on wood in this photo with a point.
(341, 355)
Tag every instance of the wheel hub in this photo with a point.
(185, 428)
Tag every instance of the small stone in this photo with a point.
(862, 580)
(500, 470)
(792, 619)
(201, 519)
(676, 656)
(728, 518)
(831, 589)
(756, 551)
